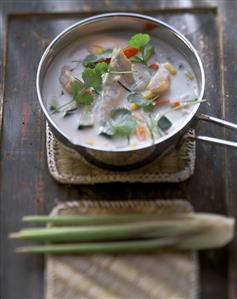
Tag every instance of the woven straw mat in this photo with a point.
(164, 275)
(177, 166)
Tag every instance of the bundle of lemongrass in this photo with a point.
(125, 233)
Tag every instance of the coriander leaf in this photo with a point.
(91, 78)
(76, 88)
(53, 108)
(101, 68)
(149, 106)
(164, 123)
(123, 122)
(79, 94)
(149, 52)
(139, 40)
(136, 59)
(84, 98)
(107, 129)
(91, 59)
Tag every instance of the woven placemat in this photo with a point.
(175, 167)
(164, 275)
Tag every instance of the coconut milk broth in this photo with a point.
(181, 88)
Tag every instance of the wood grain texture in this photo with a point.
(25, 184)
(230, 111)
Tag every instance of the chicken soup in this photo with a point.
(119, 91)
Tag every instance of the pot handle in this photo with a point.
(191, 135)
(218, 121)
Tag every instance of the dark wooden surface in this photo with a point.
(25, 184)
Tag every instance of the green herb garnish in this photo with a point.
(150, 51)
(93, 76)
(137, 59)
(92, 59)
(84, 98)
(158, 125)
(80, 95)
(136, 98)
(163, 123)
(140, 41)
(121, 123)
(101, 68)
(149, 106)
(54, 108)
(107, 129)
(84, 95)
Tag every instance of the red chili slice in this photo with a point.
(130, 52)
(154, 66)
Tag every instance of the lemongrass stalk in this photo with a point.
(219, 232)
(106, 247)
(201, 231)
(119, 218)
(134, 230)
(91, 219)
(214, 236)
(217, 228)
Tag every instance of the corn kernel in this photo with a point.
(171, 68)
(149, 95)
(134, 106)
(189, 75)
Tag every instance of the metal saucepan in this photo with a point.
(122, 159)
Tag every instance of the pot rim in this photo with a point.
(109, 15)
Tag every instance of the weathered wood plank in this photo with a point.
(230, 113)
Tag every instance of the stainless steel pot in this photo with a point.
(122, 159)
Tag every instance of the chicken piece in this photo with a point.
(120, 63)
(66, 78)
(141, 76)
(111, 97)
(113, 93)
(159, 83)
